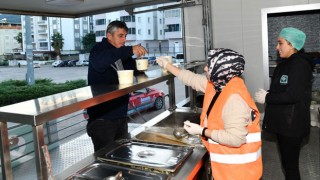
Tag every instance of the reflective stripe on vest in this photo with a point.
(251, 138)
(236, 158)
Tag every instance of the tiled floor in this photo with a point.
(69, 153)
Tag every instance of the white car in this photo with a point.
(56, 63)
(36, 65)
(85, 62)
(179, 58)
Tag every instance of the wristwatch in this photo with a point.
(203, 132)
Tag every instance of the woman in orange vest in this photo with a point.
(230, 120)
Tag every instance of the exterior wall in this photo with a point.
(237, 25)
(7, 41)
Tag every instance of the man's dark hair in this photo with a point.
(114, 25)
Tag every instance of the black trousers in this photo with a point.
(106, 131)
(290, 151)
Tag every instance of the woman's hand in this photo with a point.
(260, 96)
(192, 128)
(162, 62)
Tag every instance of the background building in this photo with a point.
(72, 30)
(8, 31)
(159, 31)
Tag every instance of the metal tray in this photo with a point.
(152, 156)
(100, 171)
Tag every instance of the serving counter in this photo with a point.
(37, 112)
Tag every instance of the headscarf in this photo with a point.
(295, 36)
(223, 65)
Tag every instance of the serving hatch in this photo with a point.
(156, 157)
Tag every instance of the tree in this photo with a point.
(88, 41)
(57, 43)
(18, 38)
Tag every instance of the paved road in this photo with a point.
(58, 74)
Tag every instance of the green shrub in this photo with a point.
(14, 91)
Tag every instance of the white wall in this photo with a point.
(237, 25)
(67, 25)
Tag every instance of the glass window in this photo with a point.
(100, 33)
(131, 30)
(100, 21)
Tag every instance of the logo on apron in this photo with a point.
(284, 80)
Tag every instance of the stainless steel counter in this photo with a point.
(189, 168)
(38, 111)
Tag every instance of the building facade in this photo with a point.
(72, 31)
(159, 31)
(8, 32)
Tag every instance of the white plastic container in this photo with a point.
(142, 64)
(125, 76)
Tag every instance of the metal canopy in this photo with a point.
(86, 8)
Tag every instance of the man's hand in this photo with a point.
(162, 62)
(260, 96)
(139, 50)
(192, 128)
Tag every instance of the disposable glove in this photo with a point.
(192, 128)
(260, 96)
(162, 62)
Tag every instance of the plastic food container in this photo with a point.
(142, 64)
(125, 76)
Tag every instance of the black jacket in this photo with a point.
(288, 101)
(102, 55)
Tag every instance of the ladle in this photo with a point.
(118, 176)
(180, 133)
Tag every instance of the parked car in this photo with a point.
(152, 60)
(179, 58)
(82, 63)
(36, 65)
(143, 99)
(72, 63)
(56, 63)
(63, 64)
(85, 62)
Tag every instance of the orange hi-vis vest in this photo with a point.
(232, 163)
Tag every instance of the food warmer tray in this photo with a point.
(156, 157)
(100, 171)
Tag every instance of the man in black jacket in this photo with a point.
(287, 112)
(108, 121)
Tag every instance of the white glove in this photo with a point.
(192, 128)
(162, 62)
(260, 96)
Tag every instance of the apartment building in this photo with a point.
(159, 31)
(72, 30)
(8, 32)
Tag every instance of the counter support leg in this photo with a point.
(38, 139)
(172, 95)
(5, 152)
